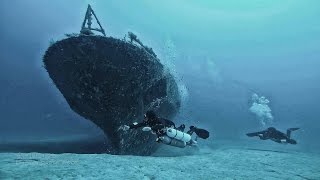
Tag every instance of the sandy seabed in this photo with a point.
(233, 162)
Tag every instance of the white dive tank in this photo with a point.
(179, 135)
(172, 142)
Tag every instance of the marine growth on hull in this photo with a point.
(112, 82)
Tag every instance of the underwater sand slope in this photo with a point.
(78, 143)
(212, 164)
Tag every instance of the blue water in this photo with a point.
(220, 52)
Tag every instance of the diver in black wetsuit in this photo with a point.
(158, 125)
(275, 135)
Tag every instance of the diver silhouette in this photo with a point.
(275, 135)
(166, 130)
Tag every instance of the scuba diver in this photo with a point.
(166, 130)
(275, 135)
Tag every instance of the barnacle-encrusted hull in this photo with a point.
(112, 82)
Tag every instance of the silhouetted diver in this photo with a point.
(166, 130)
(275, 135)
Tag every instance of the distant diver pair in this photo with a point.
(167, 132)
(275, 135)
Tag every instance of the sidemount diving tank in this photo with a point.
(179, 135)
(172, 142)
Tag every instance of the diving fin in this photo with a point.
(253, 134)
(293, 129)
(202, 133)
